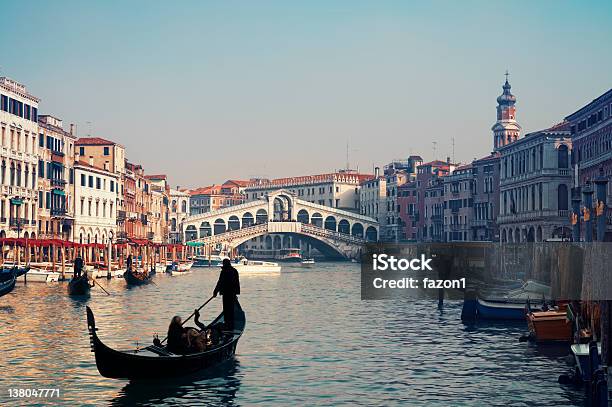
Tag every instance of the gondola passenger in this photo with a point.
(176, 336)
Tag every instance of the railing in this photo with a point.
(58, 212)
(120, 215)
(19, 222)
(150, 235)
(58, 182)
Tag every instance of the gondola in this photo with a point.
(17, 270)
(7, 283)
(156, 362)
(79, 286)
(132, 278)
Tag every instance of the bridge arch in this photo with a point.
(357, 229)
(191, 233)
(205, 229)
(317, 219)
(330, 223)
(219, 226)
(344, 227)
(233, 223)
(247, 219)
(261, 216)
(303, 216)
(371, 234)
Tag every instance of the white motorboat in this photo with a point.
(185, 266)
(36, 275)
(180, 273)
(245, 266)
(308, 262)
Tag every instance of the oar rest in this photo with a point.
(159, 350)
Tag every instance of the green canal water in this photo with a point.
(309, 340)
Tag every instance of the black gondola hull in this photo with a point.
(135, 365)
(131, 279)
(7, 285)
(79, 286)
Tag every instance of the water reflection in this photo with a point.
(309, 340)
(214, 387)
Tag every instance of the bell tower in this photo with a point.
(506, 129)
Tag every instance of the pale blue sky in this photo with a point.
(206, 91)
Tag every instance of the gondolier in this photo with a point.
(229, 287)
(78, 267)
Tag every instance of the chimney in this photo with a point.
(376, 171)
(91, 161)
(73, 129)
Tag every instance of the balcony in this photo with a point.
(150, 235)
(58, 212)
(18, 223)
(480, 222)
(3, 219)
(121, 216)
(58, 182)
(122, 235)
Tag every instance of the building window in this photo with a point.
(91, 184)
(82, 150)
(98, 183)
(83, 181)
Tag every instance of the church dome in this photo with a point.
(506, 98)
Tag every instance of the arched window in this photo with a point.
(562, 156)
(184, 207)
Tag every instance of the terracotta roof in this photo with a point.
(435, 163)
(312, 179)
(93, 141)
(463, 167)
(240, 183)
(159, 176)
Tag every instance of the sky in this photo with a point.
(208, 91)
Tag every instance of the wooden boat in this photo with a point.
(156, 362)
(7, 283)
(546, 326)
(79, 286)
(581, 356)
(136, 278)
(17, 270)
(490, 309)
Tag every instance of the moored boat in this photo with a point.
(36, 275)
(488, 309)
(156, 361)
(214, 260)
(548, 326)
(7, 283)
(308, 262)
(79, 285)
(581, 356)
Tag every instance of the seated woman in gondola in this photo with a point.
(176, 337)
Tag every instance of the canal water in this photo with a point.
(309, 340)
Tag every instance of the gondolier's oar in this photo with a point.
(96, 283)
(192, 314)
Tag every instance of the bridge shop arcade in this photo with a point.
(280, 220)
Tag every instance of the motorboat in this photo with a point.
(245, 266)
(291, 256)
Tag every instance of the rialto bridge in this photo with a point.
(333, 231)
